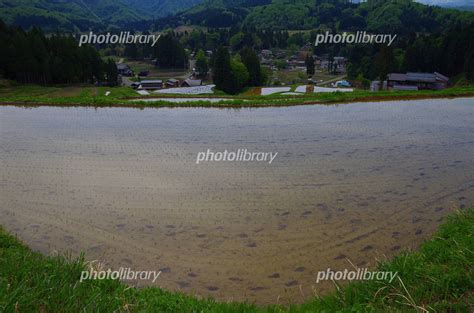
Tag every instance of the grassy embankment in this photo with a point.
(439, 277)
(121, 96)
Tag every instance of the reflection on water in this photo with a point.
(359, 182)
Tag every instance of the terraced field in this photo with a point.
(355, 182)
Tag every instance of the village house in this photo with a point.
(412, 81)
(172, 83)
(280, 54)
(266, 57)
(417, 81)
(191, 82)
(151, 84)
(304, 52)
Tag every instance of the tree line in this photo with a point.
(31, 57)
(450, 53)
(168, 52)
(233, 74)
(400, 16)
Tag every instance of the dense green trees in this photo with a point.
(222, 72)
(449, 52)
(309, 65)
(240, 74)
(202, 66)
(169, 53)
(138, 51)
(232, 75)
(470, 66)
(111, 72)
(237, 38)
(384, 63)
(400, 16)
(31, 57)
(252, 63)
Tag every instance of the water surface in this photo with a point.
(354, 182)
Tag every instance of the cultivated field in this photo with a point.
(351, 184)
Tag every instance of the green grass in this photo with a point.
(32, 95)
(80, 95)
(439, 277)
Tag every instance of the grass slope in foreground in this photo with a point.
(439, 277)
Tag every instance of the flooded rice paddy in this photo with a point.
(354, 182)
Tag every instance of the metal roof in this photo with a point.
(418, 77)
(193, 82)
(441, 77)
(151, 82)
(397, 77)
(421, 77)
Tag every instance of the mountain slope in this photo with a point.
(87, 14)
(394, 16)
(67, 15)
(465, 5)
(449, 3)
(213, 13)
(162, 7)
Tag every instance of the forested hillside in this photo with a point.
(31, 57)
(67, 15)
(395, 16)
(157, 8)
(83, 15)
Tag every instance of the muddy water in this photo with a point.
(354, 182)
